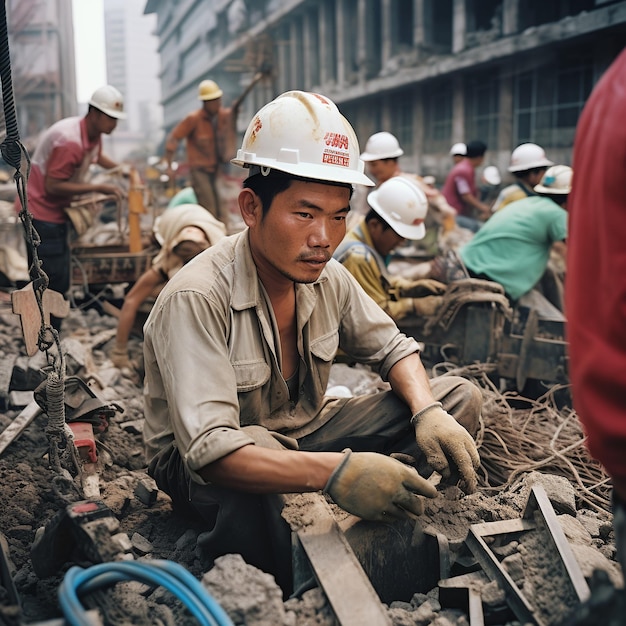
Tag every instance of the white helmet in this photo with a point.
(402, 204)
(303, 134)
(108, 100)
(458, 149)
(491, 174)
(382, 145)
(557, 180)
(528, 156)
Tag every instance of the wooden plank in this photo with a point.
(18, 425)
(339, 573)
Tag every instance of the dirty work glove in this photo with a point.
(427, 306)
(423, 287)
(377, 488)
(119, 356)
(447, 446)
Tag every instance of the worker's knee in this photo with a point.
(461, 398)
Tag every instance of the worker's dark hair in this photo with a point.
(559, 198)
(532, 170)
(268, 187)
(476, 148)
(372, 215)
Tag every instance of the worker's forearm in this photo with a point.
(409, 381)
(255, 469)
(107, 163)
(68, 188)
(476, 203)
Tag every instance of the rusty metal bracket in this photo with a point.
(537, 501)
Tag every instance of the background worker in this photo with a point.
(398, 210)
(59, 167)
(596, 286)
(210, 136)
(528, 165)
(513, 247)
(238, 351)
(459, 188)
(381, 155)
(182, 232)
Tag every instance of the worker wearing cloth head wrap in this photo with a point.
(183, 232)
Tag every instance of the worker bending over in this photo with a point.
(513, 247)
(238, 350)
(182, 232)
(397, 213)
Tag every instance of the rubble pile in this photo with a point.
(141, 525)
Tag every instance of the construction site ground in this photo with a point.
(523, 443)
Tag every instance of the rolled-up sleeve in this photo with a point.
(191, 390)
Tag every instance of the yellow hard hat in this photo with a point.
(209, 90)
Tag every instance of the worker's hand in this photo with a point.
(378, 488)
(112, 190)
(120, 358)
(448, 447)
(427, 306)
(423, 287)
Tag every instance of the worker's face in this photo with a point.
(457, 158)
(382, 169)
(534, 178)
(212, 106)
(106, 123)
(297, 236)
(385, 240)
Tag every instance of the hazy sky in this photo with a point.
(89, 45)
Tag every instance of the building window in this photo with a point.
(402, 25)
(402, 120)
(549, 100)
(482, 108)
(438, 117)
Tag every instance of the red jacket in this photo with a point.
(596, 270)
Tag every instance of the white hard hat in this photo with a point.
(209, 90)
(528, 156)
(557, 180)
(458, 149)
(108, 100)
(403, 205)
(303, 134)
(382, 145)
(491, 174)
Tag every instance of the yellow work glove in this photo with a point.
(119, 356)
(449, 223)
(427, 306)
(378, 488)
(449, 449)
(422, 287)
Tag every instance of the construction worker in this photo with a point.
(210, 135)
(182, 232)
(398, 210)
(596, 290)
(459, 188)
(59, 167)
(528, 165)
(458, 152)
(238, 350)
(381, 154)
(514, 246)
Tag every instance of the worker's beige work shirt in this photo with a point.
(212, 356)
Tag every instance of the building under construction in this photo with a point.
(433, 72)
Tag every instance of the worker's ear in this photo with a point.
(250, 207)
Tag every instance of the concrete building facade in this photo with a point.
(132, 65)
(433, 72)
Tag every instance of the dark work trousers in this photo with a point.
(250, 524)
(54, 254)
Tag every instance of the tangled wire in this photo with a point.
(519, 435)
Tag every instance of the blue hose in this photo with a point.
(172, 576)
